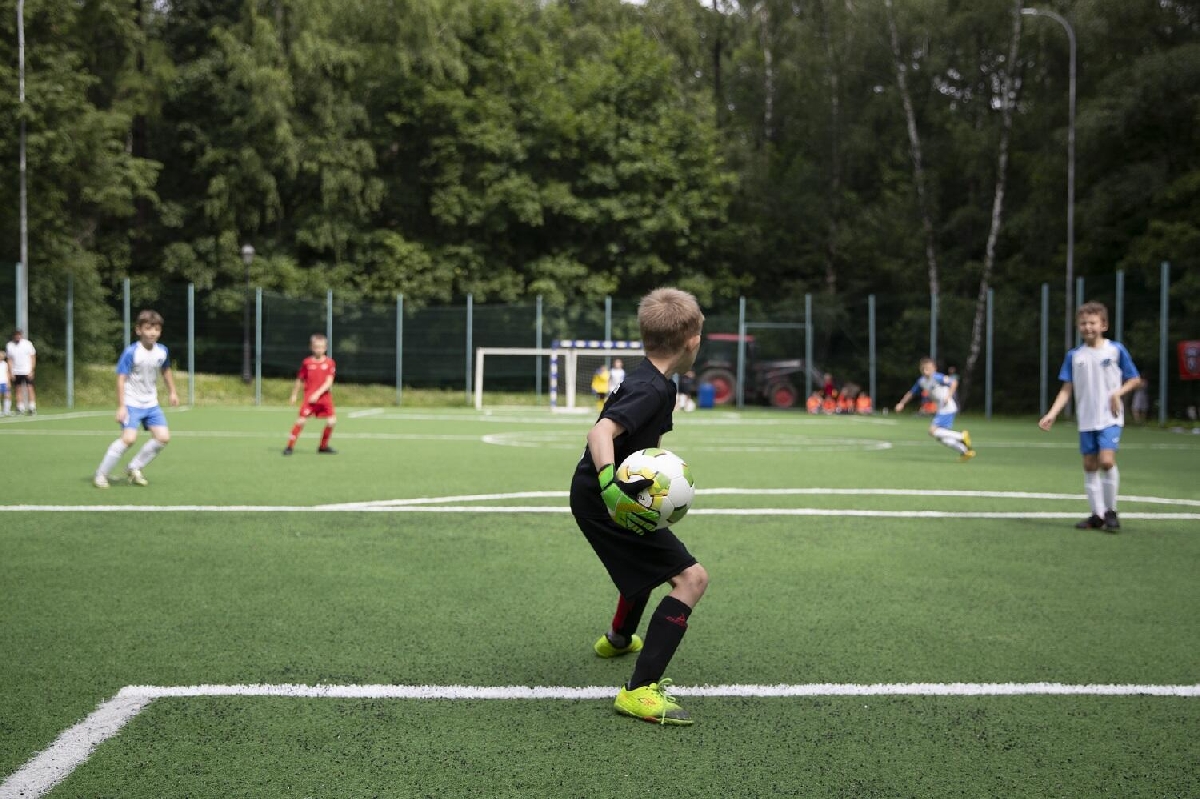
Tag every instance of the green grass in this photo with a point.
(94, 601)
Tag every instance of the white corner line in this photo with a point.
(75, 745)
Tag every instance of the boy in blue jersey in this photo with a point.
(636, 554)
(940, 389)
(1100, 373)
(137, 400)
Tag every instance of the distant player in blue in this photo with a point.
(137, 400)
(940, 389)
(1101, 373)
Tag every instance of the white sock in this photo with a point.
(32, 406)
(1094, 491)
(1109, 482)
(20, 407)
(951, 439)
(7, 404)
(146, 454)
(115, 451)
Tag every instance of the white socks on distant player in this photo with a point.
(7, 405)
(115, 451)
(146, 454)
(951, 439)
(1095, 492)
(1109, 482)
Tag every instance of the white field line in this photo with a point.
(364, 413)
(528, 509)
(75, 745)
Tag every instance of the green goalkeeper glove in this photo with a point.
(623, 508)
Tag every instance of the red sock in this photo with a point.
(295, 434)
(325, 436)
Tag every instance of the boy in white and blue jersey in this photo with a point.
(940, 388)
(1100, 373)
(137, 400)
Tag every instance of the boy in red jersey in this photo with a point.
(316, 376)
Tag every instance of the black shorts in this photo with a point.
(22, 380)
(636, 563)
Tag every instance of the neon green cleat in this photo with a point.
(967, 438)
(651, 703)
(966, 456)
(605, 649)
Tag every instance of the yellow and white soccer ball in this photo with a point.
(672, 489)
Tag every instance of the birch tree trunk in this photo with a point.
(1010, 89)
(914, 143)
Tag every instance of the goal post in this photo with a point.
(572, 363)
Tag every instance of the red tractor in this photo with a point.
(777, 383)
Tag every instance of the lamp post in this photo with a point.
(1069, 333)
(247, 259)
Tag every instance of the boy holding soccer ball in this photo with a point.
(638, 556)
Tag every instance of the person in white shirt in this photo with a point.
(1100, 373)
(22, 359)
(940, 388)
(137, 400)
(616, 375)
(5, 382)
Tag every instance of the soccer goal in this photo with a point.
(570, 364)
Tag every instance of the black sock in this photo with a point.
(667, 626)
(628, 616)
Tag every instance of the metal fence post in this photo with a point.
(1120, 309)
(537, 328)
(329, 320)
(70, 339)
(1163, 312)
(741, 352)
(987, 380)
(1044, 381)
(1078, 302)
(933, 326)
(808, 346)
(871, 356)
(128, 332)
(258, 315)
(470, 332)
(191, 342)
(399, 348)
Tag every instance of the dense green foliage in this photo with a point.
(582, 149)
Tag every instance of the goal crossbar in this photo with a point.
(562, 381)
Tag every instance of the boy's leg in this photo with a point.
(949, 438)
(326, 433)
(114, 453)
(7, 406)
(32, 403)
(668, 624)
(621, 638)
(159, 438)
(296, 428)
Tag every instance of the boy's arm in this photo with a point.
(1115, 403)
(903, 401)
(316, 395)
(600, 442)
(169, 379)
(1060, 402)
(32, 364)
(122, 411)
(295, 391)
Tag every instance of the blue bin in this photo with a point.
(706, 396)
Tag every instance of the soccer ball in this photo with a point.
(673, 488)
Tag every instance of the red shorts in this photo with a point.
(321, 409)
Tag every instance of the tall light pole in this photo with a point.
(1069, 333)
(247, 259)
(23, 267)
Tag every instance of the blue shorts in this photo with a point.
(945, 420)
(146, 417)
(1092, 441)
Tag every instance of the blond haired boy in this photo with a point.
(624, 535)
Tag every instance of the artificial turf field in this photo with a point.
(882, 620)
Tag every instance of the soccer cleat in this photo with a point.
(651, 703)
(967, 438)
(1111, 522)
(605, 649)
(966, 456)
(1092, 522)
(100, 481)
(136, 478)
(287, 451)
(326, 450)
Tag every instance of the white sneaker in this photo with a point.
(135, 477)
(100, 481)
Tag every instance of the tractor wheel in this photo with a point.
(782, 395)
(724, 385)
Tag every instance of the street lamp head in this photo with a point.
(247, 254)
(1030, 12)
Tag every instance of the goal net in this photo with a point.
(572, 370)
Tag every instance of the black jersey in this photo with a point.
(642, 405)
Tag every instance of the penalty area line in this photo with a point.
(75, 745)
